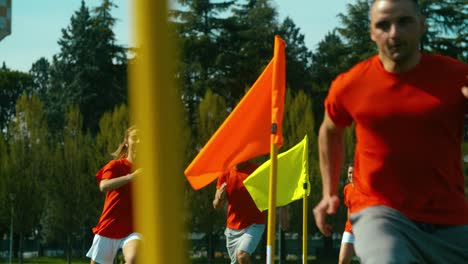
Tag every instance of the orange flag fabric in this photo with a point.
(245, 134)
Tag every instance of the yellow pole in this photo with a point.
(270, 259)
(304, 225)
(156, 109)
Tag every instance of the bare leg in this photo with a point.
(346, 253)
(130, 251)
(243, 257)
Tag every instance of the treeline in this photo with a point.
(60, 120)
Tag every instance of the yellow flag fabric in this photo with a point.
(293, 173)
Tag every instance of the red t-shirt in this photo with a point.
(409, 130)
(347, 194)
(242, 211)
(117, 215)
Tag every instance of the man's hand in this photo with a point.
(221, 192)
(327, 205)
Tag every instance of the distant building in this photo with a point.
(5, 18)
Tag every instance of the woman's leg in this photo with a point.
(129, 250)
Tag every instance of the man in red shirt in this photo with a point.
(245, 223)
(347, 241)
(408, 108)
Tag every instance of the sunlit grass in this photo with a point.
(48, 260)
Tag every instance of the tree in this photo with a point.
(329, 60)
(298, 57)
(198, 28)
(110, 60)
(12, 85)
(447, 32)
(211, 113)
(112, 127)
(298, 121)
(247, 47)
(90, 70)
(69, 186)
(355, 32)
(40, 75)
(27, 137)
(5, 203)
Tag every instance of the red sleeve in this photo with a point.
(334, 107)
(347, 193)
(348, 226)
(107, 172)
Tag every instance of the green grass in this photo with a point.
(48, 260)
(311, 260)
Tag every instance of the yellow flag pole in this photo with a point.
(270, 258)
(304, 225)
(156, 109)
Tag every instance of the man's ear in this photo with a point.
(371, 36)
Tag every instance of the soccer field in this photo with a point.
(47, 260)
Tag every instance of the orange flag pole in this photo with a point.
(276, 139)
(157, 194)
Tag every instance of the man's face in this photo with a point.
(396, 28)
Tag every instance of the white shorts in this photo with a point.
(347, 238)
(104, 249)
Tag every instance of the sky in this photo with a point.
(37, 25)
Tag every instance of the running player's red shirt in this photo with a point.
(347, 194)
(409, 130)
(242, 211)
(117, 215)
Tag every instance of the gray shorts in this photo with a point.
(245, 239)
(384, 235)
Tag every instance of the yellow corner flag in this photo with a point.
(293, 172)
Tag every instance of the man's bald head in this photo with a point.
(415, 4)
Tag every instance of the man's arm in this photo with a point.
(331, 151)
(220, 197)
(330, 141)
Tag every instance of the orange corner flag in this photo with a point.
(246, 132)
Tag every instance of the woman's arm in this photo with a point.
(111, 184)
